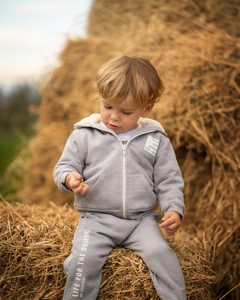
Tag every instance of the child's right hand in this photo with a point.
(74, 182)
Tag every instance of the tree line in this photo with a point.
(14, 107)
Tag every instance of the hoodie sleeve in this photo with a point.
(168, 180)
(69, 162)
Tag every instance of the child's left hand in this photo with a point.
(171, 222)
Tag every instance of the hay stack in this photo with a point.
(111, 19)
(35, 240)
(195, 46)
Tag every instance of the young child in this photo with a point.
(118, 164)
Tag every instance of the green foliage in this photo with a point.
(14, 107)
(9, 147)
(14, 155)
(16, 129)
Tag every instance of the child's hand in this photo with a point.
(74, 182)
(171, 222)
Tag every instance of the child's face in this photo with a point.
(123, 116)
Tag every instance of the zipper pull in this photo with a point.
(124, 149)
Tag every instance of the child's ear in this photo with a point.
(147, 109)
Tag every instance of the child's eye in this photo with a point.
(107, 107)
(127, 113)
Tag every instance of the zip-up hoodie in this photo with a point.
(124, 180)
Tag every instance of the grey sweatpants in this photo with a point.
(94, 239)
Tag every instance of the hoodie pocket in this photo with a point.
(104, 194)
(141, 196)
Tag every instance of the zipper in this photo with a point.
(124, 172)
(124, 181)
(124, 168)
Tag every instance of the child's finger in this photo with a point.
(80, 189)
(164, 224)
(75, 184)
(84, 189)
(169, 232)
(165, 221)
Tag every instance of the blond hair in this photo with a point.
(132, 76)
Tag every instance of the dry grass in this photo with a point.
(35, 240)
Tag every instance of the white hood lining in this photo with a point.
(96, 118)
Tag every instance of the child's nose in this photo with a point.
(115, 116)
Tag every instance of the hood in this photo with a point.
(95, 119)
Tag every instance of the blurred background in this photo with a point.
(32, 34)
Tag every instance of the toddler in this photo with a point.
(118, 164)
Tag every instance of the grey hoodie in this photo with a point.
(124, 180)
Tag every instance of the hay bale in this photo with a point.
(126, 275)
(35, 240)
(108, 18)
(33, 246)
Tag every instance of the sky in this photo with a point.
(33, 33)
